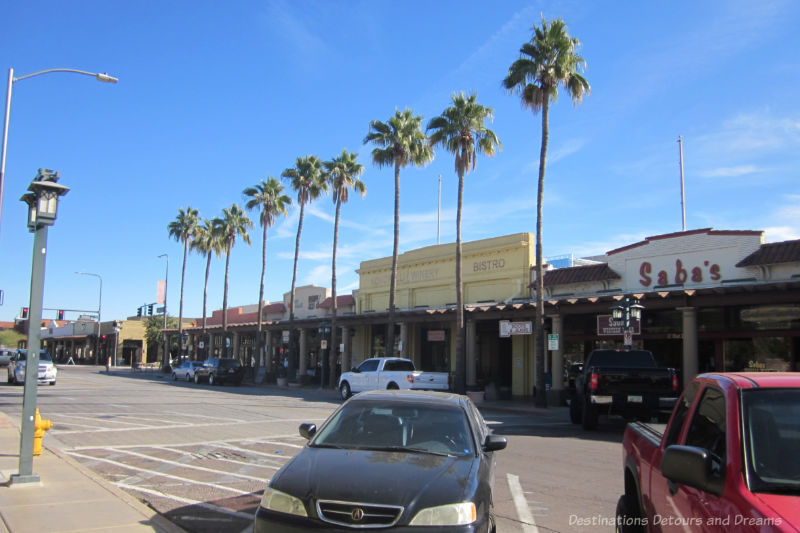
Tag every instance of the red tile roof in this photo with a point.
(773, 253)
(579, 274)
(341, 301)
(277, 307)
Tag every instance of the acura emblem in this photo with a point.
(357, 514)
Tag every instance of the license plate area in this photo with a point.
(635, 398)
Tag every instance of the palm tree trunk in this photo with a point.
(461, 360)
(225, 301)
(259, 342)
(292, 355)
(332, 349)
(205, 299)
(540, 400)
(393, 282)
(180, 306)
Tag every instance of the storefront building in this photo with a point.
(713, 300)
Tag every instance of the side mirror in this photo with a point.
(690, 466)
(308, 430)
(494, 443)
(354, 369)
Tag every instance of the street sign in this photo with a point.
(606, 325)
(552, 341)
(628, 337)
(508, 328)
(201, 344)
(323, 344)
(286, 335)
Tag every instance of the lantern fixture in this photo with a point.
(42, 199)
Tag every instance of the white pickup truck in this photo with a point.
(390, 373)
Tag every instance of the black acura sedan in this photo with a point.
(398, 460)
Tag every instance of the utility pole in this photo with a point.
(439, 213)
(683, 196)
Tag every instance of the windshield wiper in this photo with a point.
(326, 445)
(402, 449)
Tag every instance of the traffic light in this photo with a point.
(24, 313)
(150, 309)
(61, 314)
(139, 312)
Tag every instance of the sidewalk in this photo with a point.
(69, 497)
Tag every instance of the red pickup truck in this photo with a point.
(728, 460)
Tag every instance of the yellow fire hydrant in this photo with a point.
(40, 425)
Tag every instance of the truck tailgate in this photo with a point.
(431, 380)
(635, 380)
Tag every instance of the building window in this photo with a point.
(313, 301)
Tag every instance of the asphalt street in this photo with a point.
(202, 455)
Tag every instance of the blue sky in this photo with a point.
(215, 96)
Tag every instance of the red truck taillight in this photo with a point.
(410, 378)
(594, 381)
(674, 382)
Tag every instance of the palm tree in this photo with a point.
(234, 223)
(308, 182)
(461, 130)
(548, 60)
(399, 142)
(342, 172)
(207, 241)
(268, 198)
(183, 229)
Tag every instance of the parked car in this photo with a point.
(726, 461)
(219, 370)
(47, 370)
(6, 356)
(412, 459)
(390, 373)
(185, 370)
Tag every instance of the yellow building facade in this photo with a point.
(495, 272)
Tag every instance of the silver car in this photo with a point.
(186, 370)
(6, 356)
(47, 371)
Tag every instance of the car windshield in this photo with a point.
(229, 363)
(43, 356)
(622, 359)
(772, 439)
(406, 427)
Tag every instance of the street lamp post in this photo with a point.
(164, 356)
(624, 310)
(99, 309)
(324, 331)
(42, 203)
(11, 80)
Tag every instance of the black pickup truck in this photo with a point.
(622, 382)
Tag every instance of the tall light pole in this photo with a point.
(166, 281)
(99, 309)
(11, 80)
(42, 203)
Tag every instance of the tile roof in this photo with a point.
(773, 253)
(579, 274)
(341, 301)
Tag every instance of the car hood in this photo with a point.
(378, 477)
(785, 507)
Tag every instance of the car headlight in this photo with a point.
(454, 514)
(278, 501)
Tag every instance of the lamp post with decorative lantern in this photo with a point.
(626, 309)
(42, 200)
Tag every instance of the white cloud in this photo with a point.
(729, 172)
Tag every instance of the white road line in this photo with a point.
(199, 455)
(186, 501)
(524, 513)
(176, 426)
(275, 443)
(162, 474)
(97, 419)
(248, 450)
(193, 443)
(193, 467)
(194, 415)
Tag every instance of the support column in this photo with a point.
(690, 362)
(235, 343)
(471, 347)
(556, 395)
(303, 354)
(403, 339)
(347, 355)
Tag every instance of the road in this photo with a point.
(202, 455)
